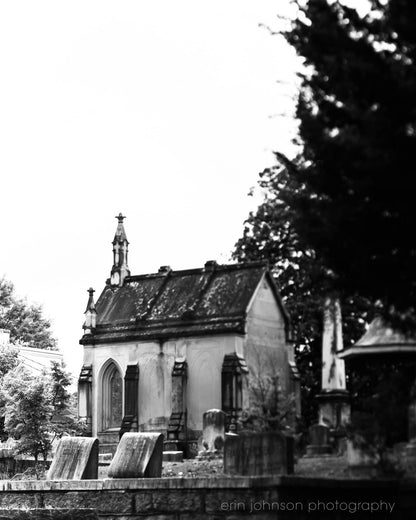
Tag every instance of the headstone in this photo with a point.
(318, 440)
(138, 455)
(360, 463)
(76, 458)
(319, 434)
(263, 453)
(213, 435)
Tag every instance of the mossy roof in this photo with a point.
(211, 300)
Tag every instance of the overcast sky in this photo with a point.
(163, 110)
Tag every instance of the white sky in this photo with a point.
(163, 110)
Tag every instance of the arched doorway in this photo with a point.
(112, 397)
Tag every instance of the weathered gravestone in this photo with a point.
(318, 440)
(213, 434)
(76, 458)
(266, 453)
(138, 455)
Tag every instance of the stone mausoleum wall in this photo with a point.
(204, 355)
(266, 350)
(259, 498)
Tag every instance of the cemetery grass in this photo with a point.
(315, 467)
(318, 467)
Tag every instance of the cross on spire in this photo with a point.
(120, 218)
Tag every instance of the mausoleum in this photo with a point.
(160, 349)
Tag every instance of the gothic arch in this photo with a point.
(111, 392)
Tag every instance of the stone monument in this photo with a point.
(334, 407)
(76, 458)
(213, 434)
(138, 455)
(318, 440)
(258, 454)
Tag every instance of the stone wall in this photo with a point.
(257, 498)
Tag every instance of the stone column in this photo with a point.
(130, 421)
(334, 408)
(85, 397)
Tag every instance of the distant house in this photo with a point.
(34, 359)
(183, 342)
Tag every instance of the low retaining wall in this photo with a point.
(260, 498)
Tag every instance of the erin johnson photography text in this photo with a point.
(312, 506)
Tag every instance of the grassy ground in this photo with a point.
(323, 467)
(193, 468)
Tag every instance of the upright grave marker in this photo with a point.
(213, 435)
(138, 455)
(318, 440)
(76, 458)
(264, 453)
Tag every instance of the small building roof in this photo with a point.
(381, 339)
(169, 304)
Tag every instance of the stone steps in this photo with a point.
(110, 437)
(173, 456)
(107, 448)
(105, 458)
(108, 442)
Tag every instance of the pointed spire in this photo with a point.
(120, 235)
(90, 313)
(90, 304)
(120, 267)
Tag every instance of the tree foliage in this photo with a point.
(269, 408)
(25, 321)
(8, 359)
(37, 409)
(338, 217)
(353, 202)
(27, 410)
(385, 389)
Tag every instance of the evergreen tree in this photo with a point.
(353, 203)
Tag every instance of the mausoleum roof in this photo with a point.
(211, 300)
(381, 339)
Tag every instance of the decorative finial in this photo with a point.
(90, 313)
(91, 304)
(120, 218)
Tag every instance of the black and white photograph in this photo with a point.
(208, 260)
